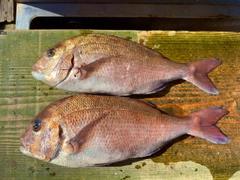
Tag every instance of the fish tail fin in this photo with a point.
(204, 125)
(198, 74)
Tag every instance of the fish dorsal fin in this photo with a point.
(87, 69)
(81, 137)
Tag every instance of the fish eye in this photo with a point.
(37, 125)
(51, 52)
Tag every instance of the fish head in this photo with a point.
(55, 64)
(43, 137)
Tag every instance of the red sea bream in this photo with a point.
(93, 130)
(105, 64)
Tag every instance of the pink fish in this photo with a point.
(93, 130)
(111, 65)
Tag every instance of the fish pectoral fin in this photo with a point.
(87, 70)
(83, 73)
(77, 143)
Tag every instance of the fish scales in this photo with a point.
(79, 103)
(110, 65)
(139, 129)
(111, 48)
(89, 113)
(93, 130)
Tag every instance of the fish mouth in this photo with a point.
(23, 148)
(38, 76)
(37, 68)
(52, 78)
(37, 73)
(25, 151)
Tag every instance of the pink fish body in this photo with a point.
(92, 130)
(106, 64)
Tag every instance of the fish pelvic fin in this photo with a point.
(204, 125)
(198, 74)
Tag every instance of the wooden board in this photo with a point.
(6, 10)
(22, 97)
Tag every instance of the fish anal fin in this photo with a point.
(157, 88)
(77, 142)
